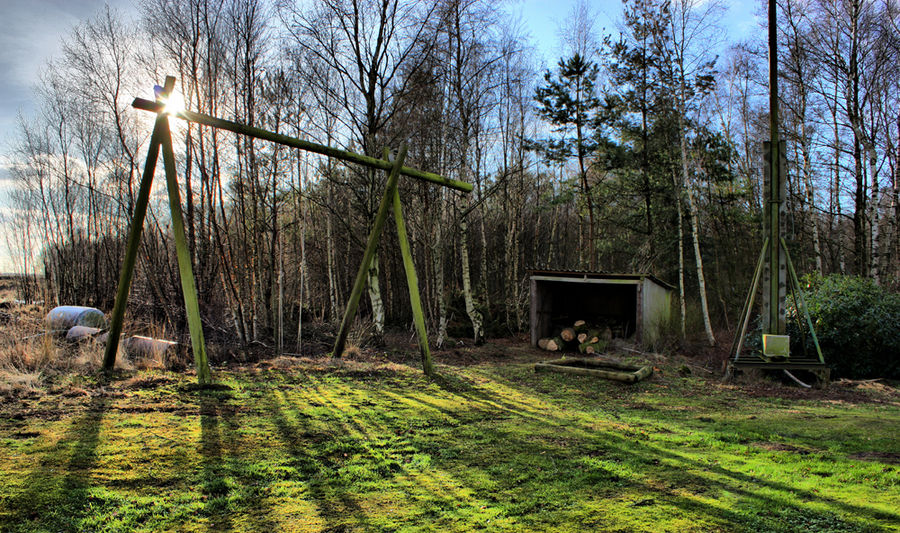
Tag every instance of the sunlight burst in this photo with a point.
(174, 103)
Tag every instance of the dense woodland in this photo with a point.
(639, 151)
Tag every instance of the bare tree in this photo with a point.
(366, 44)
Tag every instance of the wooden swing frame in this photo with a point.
(161, 139)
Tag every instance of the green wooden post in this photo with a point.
(371, 246)
(188, 287)
(799, 292)
(748, 303)
(412, 281)
(134, 236)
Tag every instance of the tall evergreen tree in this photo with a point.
(569, 103)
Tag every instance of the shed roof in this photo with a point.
(598, 275)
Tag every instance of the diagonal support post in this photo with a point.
(748, 304)
(371, 246)
(188, 286)
(412, 281)
(134, 234)
(795, 281)
(161, 139)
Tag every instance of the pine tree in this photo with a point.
(568, 101)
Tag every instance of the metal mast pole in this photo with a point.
(776, 323)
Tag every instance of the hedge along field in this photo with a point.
(363, 446)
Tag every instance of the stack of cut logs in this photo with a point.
(581, 337)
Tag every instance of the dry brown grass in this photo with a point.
(25, 363)
(29, 355)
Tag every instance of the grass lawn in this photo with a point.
(375, 446)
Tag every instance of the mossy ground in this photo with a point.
(378, 447)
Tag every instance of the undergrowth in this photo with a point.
(30, 355)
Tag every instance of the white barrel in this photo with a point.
(138, 346)
(65, 317)
(81, 333)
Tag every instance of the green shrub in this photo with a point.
(857, 323)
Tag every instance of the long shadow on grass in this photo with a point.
(382, 443)
(789, 492)
(530, 473)
(631, 444)
(317, 456)
(221, 466)
(51, 503)
(622, 449)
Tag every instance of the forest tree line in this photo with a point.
(639, 151)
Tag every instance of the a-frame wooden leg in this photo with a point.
(413, 282)
(134, 235)
(799, 292)
(748, 304)
(188, 287)
(371, 245)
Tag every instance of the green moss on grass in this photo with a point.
(489, 447)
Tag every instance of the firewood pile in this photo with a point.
(581, 337)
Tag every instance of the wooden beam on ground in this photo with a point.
(371, 246)
(259, 133)
(134, 236)
(597, 368)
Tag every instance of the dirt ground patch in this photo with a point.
(782, 447)
(884, 457)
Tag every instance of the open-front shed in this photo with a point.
(640, 305)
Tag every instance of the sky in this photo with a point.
(31, 34)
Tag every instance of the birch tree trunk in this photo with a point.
(680, 211)
(811, 197)
(329, 251)
(895, 205)
(701, 281)
(474, 314)
(874, 270)
(512, 251)
(836, 192)
(438, 255)
(375, 298)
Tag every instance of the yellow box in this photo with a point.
(776, 345)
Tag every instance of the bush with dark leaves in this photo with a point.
(857, 324)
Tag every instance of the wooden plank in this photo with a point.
(593, 362)
(371, 246)
(412, 282)
(790, 364)
(259, 133)
(188, 286)
(134, 237)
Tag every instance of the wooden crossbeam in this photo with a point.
(337, 153)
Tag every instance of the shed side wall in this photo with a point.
(657, 311)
